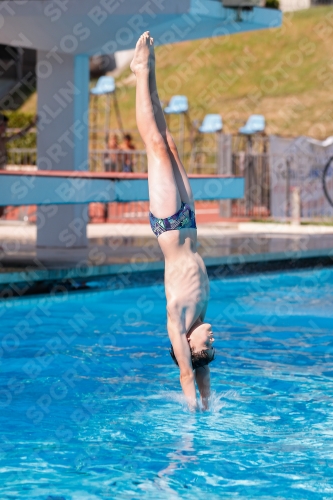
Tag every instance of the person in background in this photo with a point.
(127, 157)
(4, 139)
(111, 160)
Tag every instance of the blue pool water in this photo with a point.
(91, 406)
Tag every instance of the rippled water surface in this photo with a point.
(90, 403)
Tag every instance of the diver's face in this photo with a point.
(201, 337)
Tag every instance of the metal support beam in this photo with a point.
(62, 141)
(80, 188)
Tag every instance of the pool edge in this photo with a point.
(40, 281)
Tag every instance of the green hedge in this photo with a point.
(20, 120)
(272, 4)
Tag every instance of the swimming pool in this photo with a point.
(91, 406)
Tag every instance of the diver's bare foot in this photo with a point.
(140, 60)
(151, 54)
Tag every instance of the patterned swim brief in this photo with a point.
(184, 218)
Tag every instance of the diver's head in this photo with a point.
(200, 339)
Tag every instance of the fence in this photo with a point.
(21, 157)
(269, 181)
(304, 173)
(117, 160)
(255, 170)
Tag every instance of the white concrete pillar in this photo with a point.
(62, 142)
(224, 167)
(295, 206)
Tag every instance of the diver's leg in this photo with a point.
(163, 191)
(183, 184)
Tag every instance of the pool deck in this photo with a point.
(123, 249)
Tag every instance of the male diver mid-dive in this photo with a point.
(172, 218)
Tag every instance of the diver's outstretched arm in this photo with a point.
(180, 346)
(202, 378)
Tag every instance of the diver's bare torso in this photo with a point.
(186, 280)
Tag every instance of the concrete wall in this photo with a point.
(292, 5)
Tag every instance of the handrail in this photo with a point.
(113, 176)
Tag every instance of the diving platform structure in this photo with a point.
(65, 34)
(58, 187)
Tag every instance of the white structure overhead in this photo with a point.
(106, 26)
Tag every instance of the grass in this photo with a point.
(285, 74)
